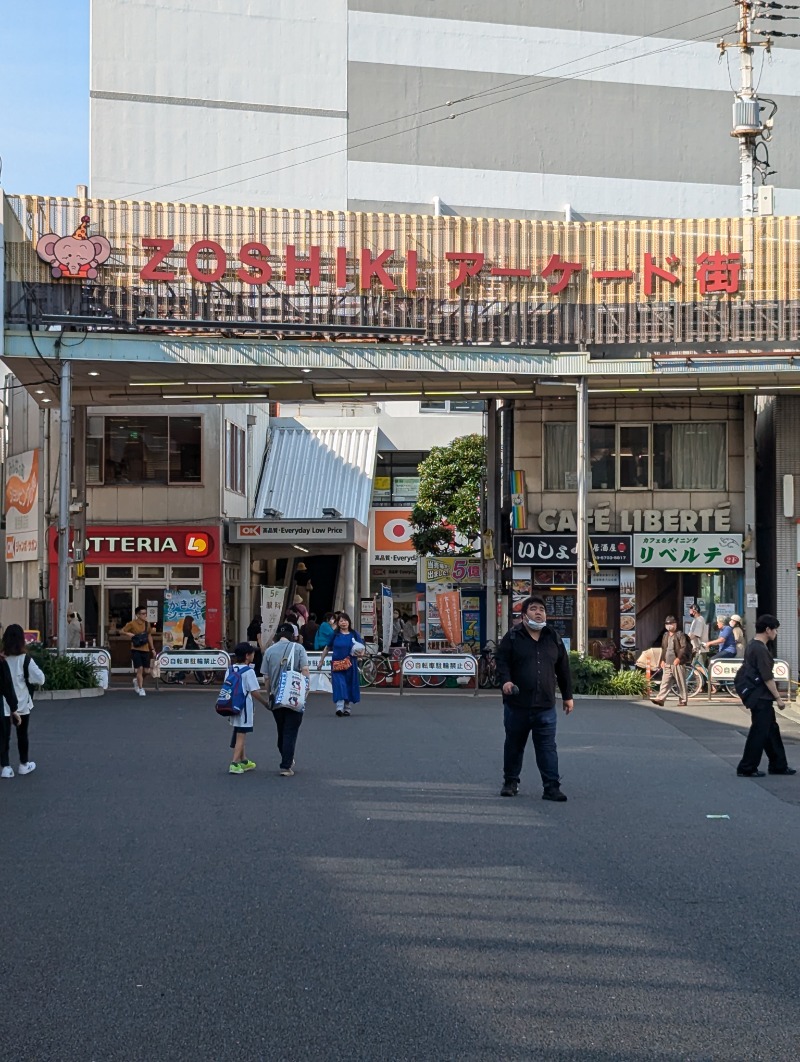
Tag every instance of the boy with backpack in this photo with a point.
(236, 702)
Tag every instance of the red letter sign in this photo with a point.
(255, 255)
(150, 270)
(194, 269)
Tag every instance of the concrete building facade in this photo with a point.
(602, 109)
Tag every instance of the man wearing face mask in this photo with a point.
(676, 651)
(531, 658)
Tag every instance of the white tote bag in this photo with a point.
(320, 682)
(292, 685)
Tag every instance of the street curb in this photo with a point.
(66, 695)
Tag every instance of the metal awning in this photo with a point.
(310, 470)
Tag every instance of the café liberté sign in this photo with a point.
(717, 518)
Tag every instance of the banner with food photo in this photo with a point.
(627, 608)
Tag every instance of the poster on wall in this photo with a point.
(21, 506)
(627, 608)
(184, 613)
(272, 598)
(387, 617)
(367, 618)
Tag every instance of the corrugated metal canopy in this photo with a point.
(307, 471)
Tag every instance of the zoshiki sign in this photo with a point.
(549, 550)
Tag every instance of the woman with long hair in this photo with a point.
(20, 672)
(344, 668)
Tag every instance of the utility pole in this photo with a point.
(747, 124)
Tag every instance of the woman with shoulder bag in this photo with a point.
(345, 644)
(18, 672)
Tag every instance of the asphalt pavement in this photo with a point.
(386, 903)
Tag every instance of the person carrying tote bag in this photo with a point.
(345, 644)
(283, 665)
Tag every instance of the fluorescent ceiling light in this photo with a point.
(94, 373)
(159, 383)
(342, 394)
(456, 393)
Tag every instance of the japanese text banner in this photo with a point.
(688, 551)
(448, 605)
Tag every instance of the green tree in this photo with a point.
(449, 498)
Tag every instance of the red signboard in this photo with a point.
(137, 544)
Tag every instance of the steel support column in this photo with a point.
(581, 619)
(64, 483)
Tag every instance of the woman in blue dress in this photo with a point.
(344, 667)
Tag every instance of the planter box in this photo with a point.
(66, 695)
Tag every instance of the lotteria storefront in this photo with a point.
(128, 566)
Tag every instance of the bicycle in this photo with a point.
(488, 677)
(696, 679)
(376, 669)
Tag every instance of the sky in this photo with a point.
(44, 88)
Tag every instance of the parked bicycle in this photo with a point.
(488, 677)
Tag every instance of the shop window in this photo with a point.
(143, 450)
(234, 458)
(150, 571)
(396, 479)
(634, 457)
(117, 572)
(689, 456)
(92, 572)
(602, 456)
(639, 456)
(186, 571)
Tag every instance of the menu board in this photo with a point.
(627, 608)
(557, 605)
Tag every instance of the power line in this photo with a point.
(449, 103)
(549, 83)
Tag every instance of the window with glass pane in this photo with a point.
(396, 479)
(690, 456)
(560, 456)
(602, 457)
(136, 450)
(184, 450)
(634, 456)
(234, 458)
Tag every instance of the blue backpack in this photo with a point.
(232, 698)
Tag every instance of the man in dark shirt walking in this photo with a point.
(764, 735)
(530, 659)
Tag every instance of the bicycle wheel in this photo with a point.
(368, 671)
(434, 680)
(694, 682)
(484, 675)
(494, 677)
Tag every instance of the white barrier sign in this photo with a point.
(722, 670)
(97, 657)
(455, 665)
(202, 660)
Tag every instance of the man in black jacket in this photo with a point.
(530, 659)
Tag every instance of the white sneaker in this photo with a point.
(136, 685)
(141, 692)
(26, 768)
(7, 772)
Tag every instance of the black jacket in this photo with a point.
(7, 686)
(683, 647)
(534, 666)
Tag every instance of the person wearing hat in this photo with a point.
(697, 629)
(738, 635)
(302, 583)
(242, 724)
(676, 652)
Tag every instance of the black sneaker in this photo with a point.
(750, 774)
(783, 770)
(509, 789)
(554, 793)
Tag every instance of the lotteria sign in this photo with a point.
(181, 544)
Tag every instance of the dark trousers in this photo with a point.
(22, 739)
(764, 736)
(540, 723)
(288, 723)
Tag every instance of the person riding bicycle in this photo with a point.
(726, 640)
(676, 652)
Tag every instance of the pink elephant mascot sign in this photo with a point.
(77, 255)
